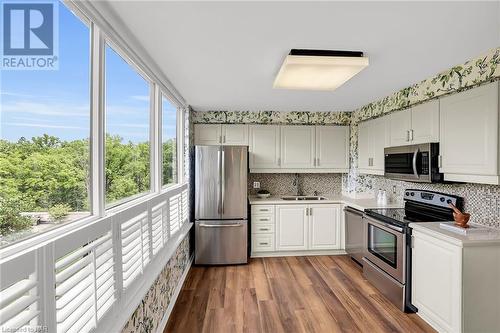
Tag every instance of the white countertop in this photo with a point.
(479, 236)
(360, 204)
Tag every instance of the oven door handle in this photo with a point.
(414, 162)
(390, 226)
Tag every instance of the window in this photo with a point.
(127, 130)
(169, 142)
(44, 139)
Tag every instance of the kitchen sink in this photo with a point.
(302, 197)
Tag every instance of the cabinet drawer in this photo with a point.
(263, 219)
(263, 243)
(262, 228)
(262, 209)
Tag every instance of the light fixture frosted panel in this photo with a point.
(317, 72)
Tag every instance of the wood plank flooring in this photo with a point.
(286, 294)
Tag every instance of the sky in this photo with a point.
(57, 102)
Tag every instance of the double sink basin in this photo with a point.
(302, 197)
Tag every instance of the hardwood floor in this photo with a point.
(286, 294)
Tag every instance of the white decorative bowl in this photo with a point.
(263, 195)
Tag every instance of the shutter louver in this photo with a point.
(185, 207)
(175, 213)
(157, 227)
(84, 277)
(135, 247)
(19, 305)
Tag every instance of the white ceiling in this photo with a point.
(225, 55)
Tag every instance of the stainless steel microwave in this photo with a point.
(415, 163)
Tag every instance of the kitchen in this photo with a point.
(333, 166)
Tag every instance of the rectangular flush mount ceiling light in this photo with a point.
(318, 69)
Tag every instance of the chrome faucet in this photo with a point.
(296, 183)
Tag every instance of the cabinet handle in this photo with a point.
(310, 211)
(264, 210)
(224, 139)
(279, 161)
(263, 229)
(411, 135)
(407, 136)
(263, 243)
(317, 164)
(440, 161)
(220, 138)
(307, 211)
(263, 219)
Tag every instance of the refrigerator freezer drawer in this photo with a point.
(221, 242)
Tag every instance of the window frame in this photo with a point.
(108, 42)
(179, 141)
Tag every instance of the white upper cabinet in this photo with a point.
(373, 137)
(235, 135)
(425, 123)
(400, 126)
(216, 134)
(207, 134)
(469, 135)
(264, 147)
(292, 149)
(291, 227)
(332, 147)
(297, 147)
(324, 225)
(364, 145)
(419, 124)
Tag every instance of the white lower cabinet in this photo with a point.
(296, 227)
(454, 286)
(291, 227)
(324, 233)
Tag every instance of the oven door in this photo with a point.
(407, 163)
(386, 247)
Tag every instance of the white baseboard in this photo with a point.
(173, 300)
(297, 253)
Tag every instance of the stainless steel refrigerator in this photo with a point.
(221, 223)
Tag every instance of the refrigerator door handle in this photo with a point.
(219, 159)
(220, 225)
(222, 179)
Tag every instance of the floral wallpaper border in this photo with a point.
(272, 117)
(153, 307)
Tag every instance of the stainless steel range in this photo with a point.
(387, 261)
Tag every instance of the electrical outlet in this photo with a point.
(256, 185)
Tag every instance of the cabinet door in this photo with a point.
(207, 134)
(436, 281)
(364, 146)
(332, 147)
(235, 135)
(291, 227)
(379, 139)
(400, 125)
(425, 123)
(297, 147)
(324, 226)
(264, 147)
(469, 132)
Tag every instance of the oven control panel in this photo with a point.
(432, 198)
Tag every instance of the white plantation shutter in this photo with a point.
(175, 213)
(135, 247)
(157, 227)
(18, 305)
(185, 207)
(85, 286)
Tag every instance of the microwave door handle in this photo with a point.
(414, 163)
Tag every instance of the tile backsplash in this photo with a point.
(282, 183)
